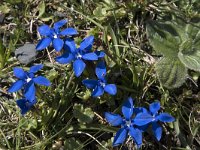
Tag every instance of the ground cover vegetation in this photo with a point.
(88, 74)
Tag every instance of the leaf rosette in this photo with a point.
(179, 45)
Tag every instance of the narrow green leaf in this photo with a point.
(114, 41)
(2, 51)
(47, 18)
(41, 9)
(181, 135)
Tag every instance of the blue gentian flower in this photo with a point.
(127, 123)
(54, 35)
(25, 105)
(27, 81)
(78, 55)
(158, 117)
(100, 85)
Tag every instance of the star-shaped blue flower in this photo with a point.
(25, 105)
(127, 123)
(77, 55)
(54, 35)
(99, 86)
(158, 117)
(27, 81)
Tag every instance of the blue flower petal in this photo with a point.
(138, 110)
(70, 45)
(22, 104)
(127, 108)
(100, 54)
(43, 43)
(136, 134)
(78, 67)
(44, 30)
(25, 105)
(143, 118)
(59, 24)
(69, 31)
(29, 91)
(111, 89)
(165, 117)
(19, 73)
(65, 58)
(157, 130)
(58, 44)
(90, 84)
(41, 81)
(100, 70)
(90, 56)
(113, 119)
(120, 137)
(16, 86)
(154, 107)
(87, 49)
(88, 41)
(35, 68)
(98, 91)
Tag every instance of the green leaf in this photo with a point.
(52, 74)
(171, 72)
(114, 42)
(41, 8)
(84, 115)
(84, 95)
(106, 144)
(190, 54)
(47, 18)
(164, 38)
(110, 3)
(100, 12)
(28, 123)
(72, 143)
(2, 52)
(13, 1)
(32, 124)
(4, 8)
(179, 43)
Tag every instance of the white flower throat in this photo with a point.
(102, 84)
(128, 123)
(55, 36)
(28, 79)
(78, 55)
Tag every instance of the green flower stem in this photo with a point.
(98, 127)
(80, 132)
(126, 89)
(70, 80)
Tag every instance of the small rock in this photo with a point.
(26, 54)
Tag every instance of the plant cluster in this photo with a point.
(69, 84)
(84, 52)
